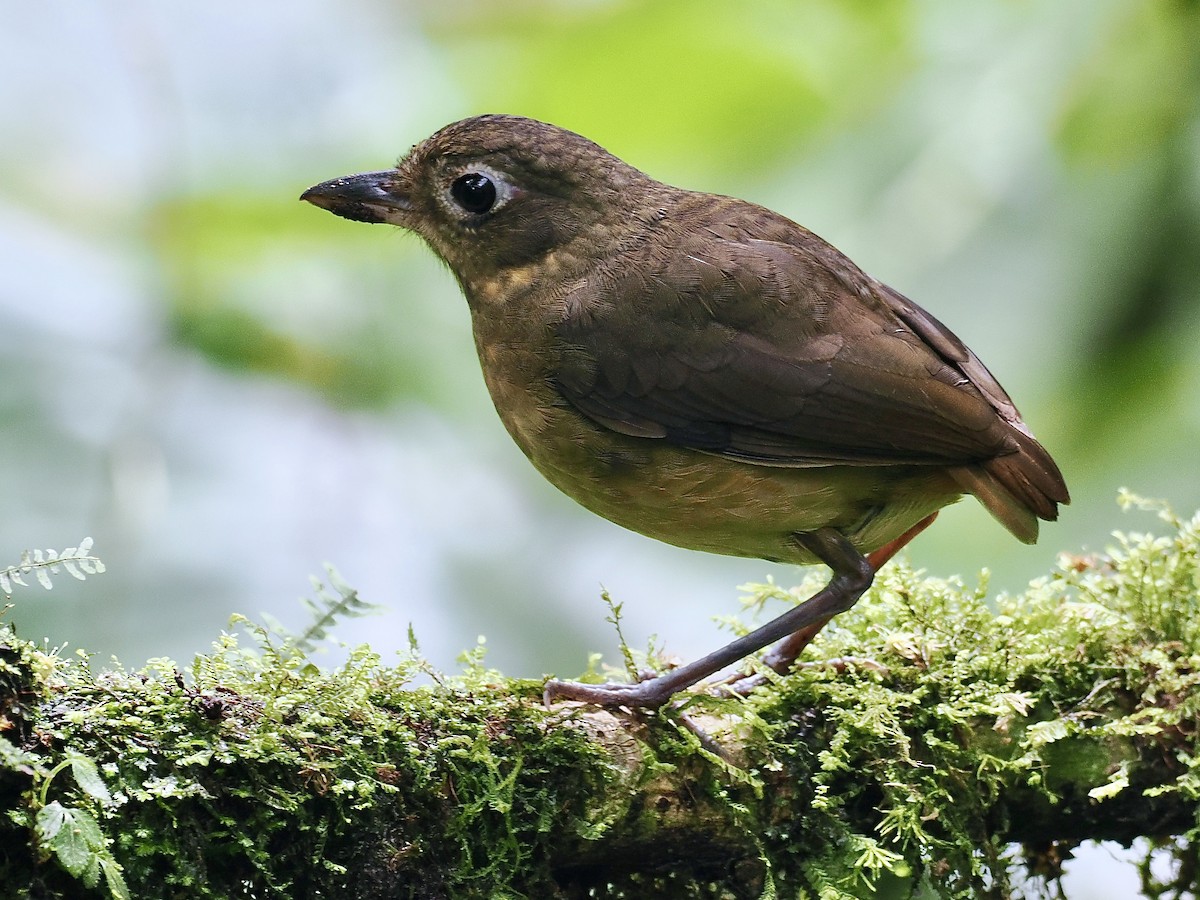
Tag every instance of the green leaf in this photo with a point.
(116, 881)
(1117, 783)
(74, 837)
(87, 776)
(49, 821)
(1041, 733)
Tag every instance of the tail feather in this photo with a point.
(1018, 488)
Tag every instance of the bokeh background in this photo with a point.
(226, 388)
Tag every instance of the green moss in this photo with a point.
(980, 727)
(253, 780)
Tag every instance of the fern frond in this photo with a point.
(328, 608)
(78, 562)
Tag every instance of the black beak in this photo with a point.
(369, 197)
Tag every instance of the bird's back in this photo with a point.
(725, 327)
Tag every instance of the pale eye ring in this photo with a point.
(474, 192)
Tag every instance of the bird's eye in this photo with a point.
(474, 192)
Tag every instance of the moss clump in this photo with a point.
(982, 734)
(992, 731)
(261, 776)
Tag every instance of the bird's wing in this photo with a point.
(777, 353)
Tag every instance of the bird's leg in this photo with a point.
(852, 574)
(784, 654)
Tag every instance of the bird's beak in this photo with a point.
(369, 197)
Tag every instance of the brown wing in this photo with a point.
(762, 351)
(785, 354)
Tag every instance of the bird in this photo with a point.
(703, 370)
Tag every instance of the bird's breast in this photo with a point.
(688, 498)
(682, 496)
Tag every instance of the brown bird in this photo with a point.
(703, 370)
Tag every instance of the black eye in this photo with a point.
(474, 192)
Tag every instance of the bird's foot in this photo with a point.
(742, 683)
(739, 684)
(649, 694)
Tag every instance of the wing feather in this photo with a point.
(783, 353)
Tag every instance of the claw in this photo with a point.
(643, 695)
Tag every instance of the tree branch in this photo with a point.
(1067, 713)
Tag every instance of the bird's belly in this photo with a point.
(706, 502)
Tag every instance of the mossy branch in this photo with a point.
(989, 737)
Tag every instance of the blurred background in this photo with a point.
(225, 387)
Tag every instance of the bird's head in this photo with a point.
(493, 192)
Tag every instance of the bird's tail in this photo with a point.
(1018, 488)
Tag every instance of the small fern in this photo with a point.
(325, 612)
(327, 609)
(77, 561)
